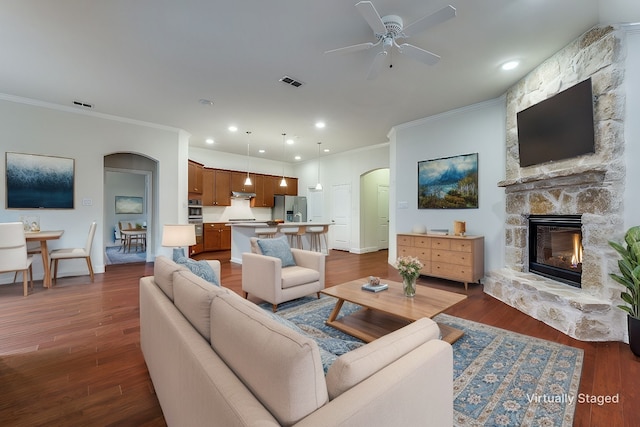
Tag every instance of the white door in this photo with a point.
(340, 231)
(383, 217)
(315, 205)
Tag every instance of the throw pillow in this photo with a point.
(279, 248)
(178, 253)
(200, 268)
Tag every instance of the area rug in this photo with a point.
(115, 255)
(501, 378)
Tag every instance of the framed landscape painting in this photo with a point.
(448, 183)
(128, 205)
(39, 182)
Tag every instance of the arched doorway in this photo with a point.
(130, 195)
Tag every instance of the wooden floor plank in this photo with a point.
(70, 355)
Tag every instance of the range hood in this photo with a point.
(242, 195)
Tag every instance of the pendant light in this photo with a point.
(283, 183)
(248, 180)
(318, 185)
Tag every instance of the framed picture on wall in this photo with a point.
(128, 205)
(448, 182)
(35, 181)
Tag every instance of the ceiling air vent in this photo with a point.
(82, 104)
(291, 81)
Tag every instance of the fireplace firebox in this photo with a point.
(555, 247)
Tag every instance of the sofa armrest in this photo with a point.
(261, 276)
(215, 266)
(416, 389)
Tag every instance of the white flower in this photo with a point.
(409, 267)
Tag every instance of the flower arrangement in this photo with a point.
(409, 267)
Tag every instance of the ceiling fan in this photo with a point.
(388, 29)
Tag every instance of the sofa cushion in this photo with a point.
(296, 276)
(281, 367)
(358, 365)
(200, 268)
(193, 296)
(279, 248)
(163, 269)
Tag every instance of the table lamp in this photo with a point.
(177, 236)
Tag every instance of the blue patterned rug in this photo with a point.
(501, 378)
(114, 255)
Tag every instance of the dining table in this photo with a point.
(43, 237)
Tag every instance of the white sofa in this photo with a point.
(217, 359)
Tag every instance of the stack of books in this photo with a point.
(375, 288)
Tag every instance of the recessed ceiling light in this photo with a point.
(510, 65)
(290, 141)
(233, 128)
(326, 150)
(320, 125)
(297, 157)
(209, 141)
(261, 151)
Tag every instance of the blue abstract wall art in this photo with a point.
(39, 182)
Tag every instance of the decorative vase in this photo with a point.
(409, 286)
(634, 334)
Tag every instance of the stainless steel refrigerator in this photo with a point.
(290, 208)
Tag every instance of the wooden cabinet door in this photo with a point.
(292, 187)
(222, 188)
(194, 175)
(208, 190)
(225, 237)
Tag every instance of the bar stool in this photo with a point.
(294, 235)
(316, 235)
(266, 232)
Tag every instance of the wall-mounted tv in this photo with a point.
(560, 127)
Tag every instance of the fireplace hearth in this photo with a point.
(555, 247)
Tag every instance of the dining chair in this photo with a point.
(71, 253)
(13, 252)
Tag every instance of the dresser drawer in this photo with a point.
(406, 251)
(405, 240)
(450, 257)
(451, 271)
(422, 242)
(462, 245)
(423, 254)
(438, 243)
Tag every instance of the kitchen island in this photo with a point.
(241, 232)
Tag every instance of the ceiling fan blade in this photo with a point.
(371, 15)
(425, 22)
(418, 54)
(376, 65)
(354, 48)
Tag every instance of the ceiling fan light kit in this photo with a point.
(389, 29)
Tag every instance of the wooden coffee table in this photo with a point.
(386, 311)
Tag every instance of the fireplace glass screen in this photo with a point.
(555, 247)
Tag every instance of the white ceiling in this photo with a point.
(154, 60)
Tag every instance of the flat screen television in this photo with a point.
(560, 127)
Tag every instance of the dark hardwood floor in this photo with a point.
(70, 356)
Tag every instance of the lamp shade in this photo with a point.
(179, 235)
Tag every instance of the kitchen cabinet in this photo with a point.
(265, 186)
(290, 190)
(216, 185)
(459, 258)
(194, 177)
(237, 182)
(217, 237)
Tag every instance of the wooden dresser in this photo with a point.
(448, 257)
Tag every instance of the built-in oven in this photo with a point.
(195, 217)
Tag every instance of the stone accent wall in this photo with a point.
(590, 185)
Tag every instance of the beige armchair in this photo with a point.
(264, 277)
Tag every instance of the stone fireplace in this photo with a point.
(589, 188)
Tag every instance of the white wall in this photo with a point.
(39, 128)
(478, 128)
(632, 128)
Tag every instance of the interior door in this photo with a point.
(383, 217)
(341, 218)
